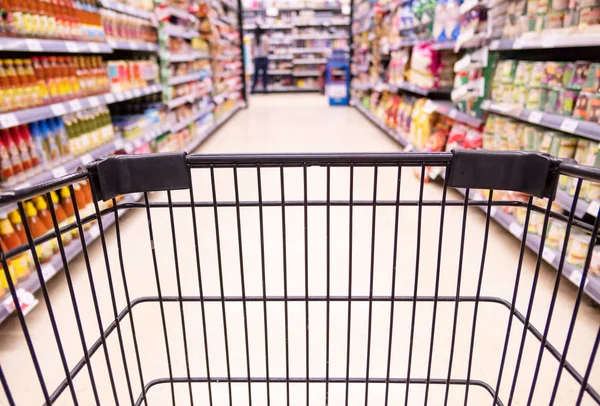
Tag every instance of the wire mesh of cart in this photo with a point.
(327, 279)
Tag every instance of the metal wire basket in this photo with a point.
(337, 279)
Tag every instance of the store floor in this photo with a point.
(304, 123)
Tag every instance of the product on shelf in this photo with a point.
(126, 27)
(126, 75)
(431, 69)
(132, 120)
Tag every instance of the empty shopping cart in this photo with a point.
(322, 279)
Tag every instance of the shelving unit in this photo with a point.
(308, 36)
(208, 105)
(382, 87)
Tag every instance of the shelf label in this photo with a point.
(576, 276)
(133, 45)
(128, 94)
(535, 117)
(86, 159)
(75, 105)
(429, 107)
(593, 208)
(453, 113)
(515, 229)
(59, 171)
(33, 45)
(549, 255)
(26, 301)
(128, 148)
(58, 109)
(485, 105)
(93, 101)
(109, 98)
(8, 120)
(518, 44)
(137, 92)
(48, 271)
(112, 43)
(118, 144)
(71, 46)
(569, 125)
(94, 47)
(23, 185)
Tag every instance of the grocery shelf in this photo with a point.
(187, 57)
(307, 73)
(309, 50)
(32, 283)
(195, 143)
(396, 137)
(129, 145)
(317, 36)
(447, 109)
(188, 78)
(176, 31)
(132, 45)
(324, 24)
(30, 115)
(228, 20)
(124, 8)
(249, 27)
(309, 61)
(186, 98)
(581, 128)
(533, 242)
(189, 120)
(227, 74)
(566, 202)
(179, 13)
(280, 57)
(557, 39)
(53, 45)
(405, 86)
(279, 72)
(293, 89)
(288, 9)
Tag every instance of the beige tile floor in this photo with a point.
(303, 123)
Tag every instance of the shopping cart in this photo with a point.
(327, 279)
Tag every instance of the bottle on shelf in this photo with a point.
(67, 204)
(11, 240)
(38, 229)
(44, 215)
(61, 218)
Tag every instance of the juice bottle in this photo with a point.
(15, 135)
(17, 223)
(28, 97)
(15, 84)
(38, 229)
(62, 138)
(67, 204)
(11, 272)
(6, 94)
(13, 152)
(11, 240)
(50, 144)
(73, 77)
(51, 79)
(16, 14)
(44, 215)
(33, 153)
(6, 171)
(84, 208)
(37, 139)
(38, 84)
(61, 218)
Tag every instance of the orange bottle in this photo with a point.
(46, 217)
(3, 281)
(38, 229)
(67, 204)
(61, 218)
(84, 208)
(11, 240)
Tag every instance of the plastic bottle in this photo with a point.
(11, 240)
(61, 218)
(15, 84)
(13, 152)
(44, 215)
(38, 229)
(17, 223)
(33, 152)
(38, 144)
(23, 150)
(6, 170)
(50, 144)
(62, 137)
(67, 204)
(84, 208)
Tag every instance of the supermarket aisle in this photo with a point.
(298, 123)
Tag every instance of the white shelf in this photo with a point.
(320, 61)
(188, 78)
(188, 98)
(30, 115)
(187, 57)
(53, 45)
(132, 45)
(194, 117)
(307, 73)
(123, 8)
(310, 50)
(176, 31)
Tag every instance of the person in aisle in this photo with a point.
(261, 61)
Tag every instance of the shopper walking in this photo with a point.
(261, 62)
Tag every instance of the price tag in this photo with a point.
(93, 101)
(33, 45)
(109, 98)
(453, 113)
(502, 107)
(493, 211)
(118, 144)
(137, 143)
(576, 276)
(549, 255)
(593, 208)
(8, 120)
(112, 43)
(429, 107)
(133, 45)
(486, 104)
(86, 159)
(23, 185)
(58, 109)
(128, 148)
(120, 96)
(515, 229)
(518, 44)
(94, 47)
(535, 117)
(127, 94)
(59, 171)
(495, 44)
(569, 125)
(26, 301)
(48, 271)
(94, 232)
(71, 46)
(137, 92)
(75, 105)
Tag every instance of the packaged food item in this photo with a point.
(11, 240)
(580, 110)
(595, 263)
(580, 75)
(577, 248)
(592, 82)
(589, 16)
(67, 204)
(38, 229)
(556, 234)
(46, 218)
